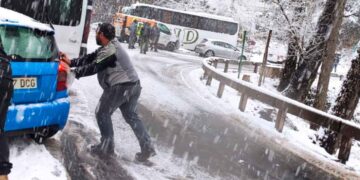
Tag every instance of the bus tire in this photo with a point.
(209, 53)
(170, 46)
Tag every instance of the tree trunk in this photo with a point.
(346, 103)
(328, 61)
(294, 47)
(290, 64)
(313, 56)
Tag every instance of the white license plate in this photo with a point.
(25, 83)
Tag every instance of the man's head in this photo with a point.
(104, 33)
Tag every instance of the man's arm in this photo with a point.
(104, 58)
(87, 59)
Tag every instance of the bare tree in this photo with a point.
(346, 104)
(294, 46)
(315, 52)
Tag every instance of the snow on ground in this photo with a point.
(296, 131)
(34, 162)
(166, 164)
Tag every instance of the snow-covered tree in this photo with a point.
(294, 46)
(346, 104)
(318, 50)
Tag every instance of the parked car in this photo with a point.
(212, 47)
(40, 104)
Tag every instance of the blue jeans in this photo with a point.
(125, 97)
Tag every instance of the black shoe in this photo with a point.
(145, 155)
(102, 150)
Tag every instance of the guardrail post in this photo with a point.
(215, 63)
(345, 148)
(244, 97)
(209, 79)
(226, 66)
(281, 116)
(256, 66)
(221, 90)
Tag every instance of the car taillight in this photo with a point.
(62, 76)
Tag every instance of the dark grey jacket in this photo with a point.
(110, 62)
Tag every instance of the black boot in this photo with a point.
(104, 148)
(144, 155)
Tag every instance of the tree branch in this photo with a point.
(291, 27)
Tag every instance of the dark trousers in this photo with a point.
(6, 90)
(154, 43)
(125, 97)
(144, 43)
(5, 165)
(132, 41)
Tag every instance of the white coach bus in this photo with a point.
(190, 27)
(70, 19)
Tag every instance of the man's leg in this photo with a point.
(110, 100)
(128, 110)
(156, 44)
(5, 165)
(6, 91)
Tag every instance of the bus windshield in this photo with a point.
(57, 12)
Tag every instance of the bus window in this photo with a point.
(57, 12)
(167, 17)
(177, 19)
(232, 28)
(194, 22)
(156, 14)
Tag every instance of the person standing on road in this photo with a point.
(121, 85)
(154, 36)
(144, 40)
(6, 91)
(132, 38)
(336, 62)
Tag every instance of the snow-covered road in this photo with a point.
(197, 137)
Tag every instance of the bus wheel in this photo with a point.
(170, 47)
(209, 53)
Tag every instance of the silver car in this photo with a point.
(211, 47)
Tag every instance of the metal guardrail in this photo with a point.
(283, 104)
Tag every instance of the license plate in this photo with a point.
(25, 83)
